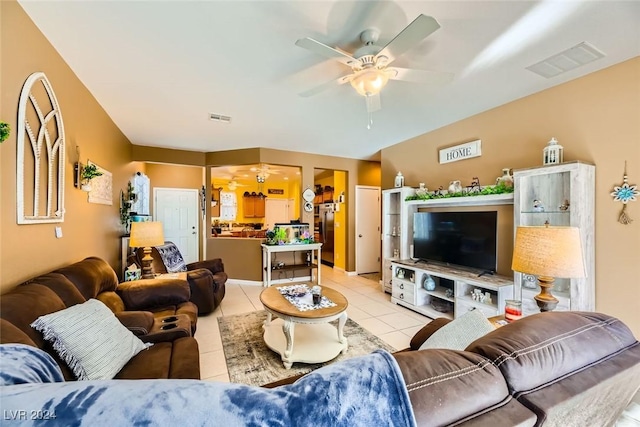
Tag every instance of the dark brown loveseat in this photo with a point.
(175, 352)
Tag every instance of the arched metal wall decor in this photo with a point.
(40, 154)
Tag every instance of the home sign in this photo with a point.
(461, 152)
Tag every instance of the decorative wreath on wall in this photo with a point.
(625, 193)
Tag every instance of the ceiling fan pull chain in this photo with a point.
(369, 120)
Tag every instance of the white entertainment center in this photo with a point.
(568, 190)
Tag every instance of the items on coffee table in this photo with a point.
(316, 292)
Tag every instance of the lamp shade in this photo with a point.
(369, 81)
(146, 234)
(548, 251)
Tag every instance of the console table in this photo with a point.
(313, 264)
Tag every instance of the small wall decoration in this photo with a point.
(464, 151)
(40, 150)
(625, 193)
(275, 191)
(101, 187)
(141, 188)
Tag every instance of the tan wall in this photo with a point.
(242, 257)
(597, 119)
(88, 229)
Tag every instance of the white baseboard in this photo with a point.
(244, 282)
(273, 282)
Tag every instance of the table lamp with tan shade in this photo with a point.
(145, 235)
(548, 252)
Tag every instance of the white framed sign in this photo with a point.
(464, 151)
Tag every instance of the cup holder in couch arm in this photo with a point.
(168, 326)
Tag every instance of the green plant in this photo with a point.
(89, 172)
(5, 130)
(500, 188)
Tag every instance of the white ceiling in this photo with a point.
(160, 67)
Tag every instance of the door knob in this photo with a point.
(359, 235)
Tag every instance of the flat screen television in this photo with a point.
(466, 239)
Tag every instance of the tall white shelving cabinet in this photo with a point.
(397, 230)
(564, 195)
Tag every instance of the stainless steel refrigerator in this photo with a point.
(325, 228)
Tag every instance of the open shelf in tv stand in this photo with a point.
(408, 289)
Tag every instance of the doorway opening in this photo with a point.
(330, 216)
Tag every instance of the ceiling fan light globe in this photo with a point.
(370, 81)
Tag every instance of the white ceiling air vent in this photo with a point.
(219, 118)
(570, 59)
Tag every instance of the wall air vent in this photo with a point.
(219, 118)
(570, 59)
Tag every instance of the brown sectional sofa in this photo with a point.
(553, 369)
(175, 352)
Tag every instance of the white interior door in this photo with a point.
(276, 210)
(367, 229)
(178, 211)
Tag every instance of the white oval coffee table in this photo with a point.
(314, 340)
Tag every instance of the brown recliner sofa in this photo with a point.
(206, 278)
(553, 369)
(141, 306)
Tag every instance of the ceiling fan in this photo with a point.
(233, 184)
(370, 63)
(263, 172)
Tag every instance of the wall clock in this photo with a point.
(308, 206)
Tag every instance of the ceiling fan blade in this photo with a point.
(324, 86)
(373, 103)
(413, 33)
(324, 50)
(421, 76)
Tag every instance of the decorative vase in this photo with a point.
(86, 187)
(455, 187)
(506, 179)
(422, 191)
(429, 284)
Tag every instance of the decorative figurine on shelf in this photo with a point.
(625, 193)
(399, 180)
(538, 206)
(564, 206)
(552, 153)
(438, 192)
(475, 186)
(448, 293)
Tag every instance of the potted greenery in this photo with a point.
(89, 172)
(5, 130)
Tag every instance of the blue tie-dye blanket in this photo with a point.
(362, 391)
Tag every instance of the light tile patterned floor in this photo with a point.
(368, 306)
